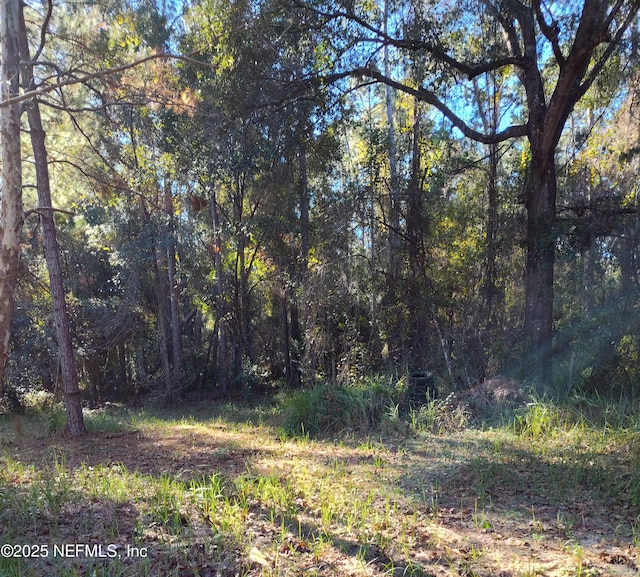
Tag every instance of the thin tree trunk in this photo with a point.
(490, 119)
(304, 205)
(174, 296)
(243, 346)
(222, 356)
(394, 344)
(286, 339)
(445, 351)
(11, 215)
(298, 352)
(163, 315)
(68, 369)
(492, 228)
(415, 292)
(394, 186)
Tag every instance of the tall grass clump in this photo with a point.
(439, 416)
(46, 411)
(595, 439)
(542, 419)
(107, 421)
(329, 408)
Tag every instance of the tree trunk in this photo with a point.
(490, 287)
(177, 374)
(304, 205)
(11, 215)
(68, 369)
(394, 341)
(539, 272)
(164, 314)
(286, 339)
(243, 346)
(222, 357)
(296, 333)
(394, 183)
(416, 280)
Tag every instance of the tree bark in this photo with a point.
(164, 313)
(177, 372)
(221, 357)
(394, 181)
(68, 369)
(539, 273)
(489, 110)
(417, 279)
(11, 214)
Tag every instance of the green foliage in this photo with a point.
(439, 416)
(315, 271)
(46, 407)
(329, 409)
(618, 375)
(542, 418)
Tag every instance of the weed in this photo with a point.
(317, 506)
(439, 416)
(479, 517)
(330, 409)
(106, 421)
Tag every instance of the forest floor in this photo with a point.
(217, 495)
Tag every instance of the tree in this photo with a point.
(16, 48)
(68, 371)
(11, 216)
(556, 52)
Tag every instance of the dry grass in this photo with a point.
(208, 496)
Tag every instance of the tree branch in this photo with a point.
(39, 209)
(596, 69)
(471, 70)
(550, 32)
(514, 131)
(43, 30)
(28, 95)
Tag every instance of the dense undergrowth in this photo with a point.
(329, 481)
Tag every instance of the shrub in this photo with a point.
(330, 409)
(440, 416)
(44, 404)
(618, 373)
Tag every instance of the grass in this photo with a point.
(222, 491)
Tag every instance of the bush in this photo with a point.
(618, 373)
(330, 409)
(440, 416)
(39, 402)
(45, 405)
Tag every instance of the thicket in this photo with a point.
(263, 232)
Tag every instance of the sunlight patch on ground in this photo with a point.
(226, 497)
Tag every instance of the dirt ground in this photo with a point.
(460, 504)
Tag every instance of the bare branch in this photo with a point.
(30, 94)
(514, 131)
(43, 30)
(39, 209)
(550, 32)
